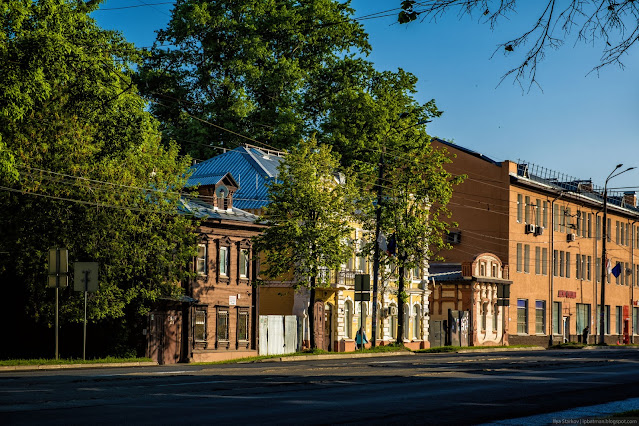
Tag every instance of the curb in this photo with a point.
(336, 356)
(75, 366)
(470, 351)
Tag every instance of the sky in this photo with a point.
(578, 123)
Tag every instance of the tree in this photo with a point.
(229, 72)
(309, 215)
(92, 173)
(614, 23)
(379, 124)
(414, 211)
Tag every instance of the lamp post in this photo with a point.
(603, 251)
(378, 220)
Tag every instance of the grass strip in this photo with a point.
(44, 361)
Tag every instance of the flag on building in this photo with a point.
(608, 267)
(381, 242)
(616, 271)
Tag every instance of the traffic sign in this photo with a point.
(85, 276)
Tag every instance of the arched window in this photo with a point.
(417, 321)
(406, 322)
(484, 313)
(348, 319)
(363, 313)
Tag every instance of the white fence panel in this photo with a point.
(278, 334)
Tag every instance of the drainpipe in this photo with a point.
(551, 270)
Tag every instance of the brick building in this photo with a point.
(547, 228)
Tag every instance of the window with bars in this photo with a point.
(199, 332)
(222, 326)
(243, 325)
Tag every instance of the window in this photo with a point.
(406, 322)
(567, 265)
(222, 328)
(555, 263)
(556, 317)
(598, 227)
(526, 258)
(482, 269)
(562, 264)
(224, 260)
(568, 217)
(617, 231)
(348, 319)
(545, 214)
(538, 213)
(199, 333)
(522, 316)
(589, 268)
(555, 216)
(578, 269)
(562, 220)
(598, 269)
(244, 263)
(201, 260)
(609, 229)
(243, 326)
(589, 233)
(540, 317)
(417, 331)
(519, 207)
(544, 261)
(583, 317)
(484, 314)
(606, 318)
(635, 320)
(537, 260)
(494, 270)
(519, 266)
(618, 319)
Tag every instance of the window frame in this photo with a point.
(522, 307)
(201, 262)
(200, 312)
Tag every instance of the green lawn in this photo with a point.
(43, 361)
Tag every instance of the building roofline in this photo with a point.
(468, 151)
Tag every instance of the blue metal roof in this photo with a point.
(250, 167)
(203, 210)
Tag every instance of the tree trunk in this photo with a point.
(311, 315)
(400, 306)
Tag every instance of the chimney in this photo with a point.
(630, 198)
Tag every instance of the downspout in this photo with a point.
(551, 270)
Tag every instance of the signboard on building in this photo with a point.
(232, 300)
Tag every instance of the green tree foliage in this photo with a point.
(380, 124)
(310, 217)
(414, 211)
(266, 70)
(92, 173)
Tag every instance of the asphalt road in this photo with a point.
(417, 389)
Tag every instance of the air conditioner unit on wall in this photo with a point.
(530, 228)
(571, 237)
(539, 230)
(393, 310)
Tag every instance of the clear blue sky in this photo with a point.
(581, 125)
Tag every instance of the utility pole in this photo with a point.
(378, 220)
(603, 252)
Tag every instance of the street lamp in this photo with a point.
(603, 250)
(378, 220)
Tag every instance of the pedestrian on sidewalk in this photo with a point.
(584, 339)
(360, 338)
